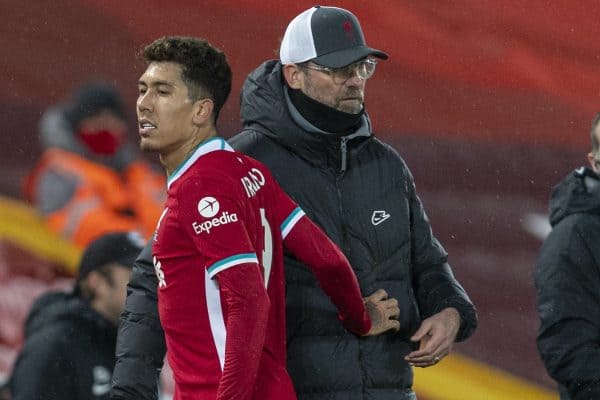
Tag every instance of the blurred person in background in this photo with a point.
(90, 179)
(70, 336)
(567, 280)
(304, 117)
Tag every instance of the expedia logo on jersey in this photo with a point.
(209, 207)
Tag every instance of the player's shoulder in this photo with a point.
(234, 164)
(228, 172)
(213, 171)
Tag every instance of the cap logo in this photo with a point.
(347, 27)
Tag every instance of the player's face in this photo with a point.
(164, 109)
(347, 96)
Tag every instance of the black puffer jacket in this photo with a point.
(68, 352)
(362, 194)
(567, 280)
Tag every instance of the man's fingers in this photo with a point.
(384, 326)
(394, 325)
(378, 295)
(428, 360)
(434, 342)
(421, 332)
(392, 312)
(391, 303)
(429, 349)
(425, 363)
(392, 306)
(384, 312)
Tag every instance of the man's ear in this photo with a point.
(293, 76)
(93, 284)
(203, 110)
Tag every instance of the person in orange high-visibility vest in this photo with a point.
(90, 180)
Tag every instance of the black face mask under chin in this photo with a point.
(325, 118)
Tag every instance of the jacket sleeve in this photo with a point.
(43, 370)
(567, 281)
(436, 287)
(140, 343)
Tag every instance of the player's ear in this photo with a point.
(202, 112)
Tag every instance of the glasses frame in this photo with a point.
(342, 74)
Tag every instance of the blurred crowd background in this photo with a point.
(489, 103)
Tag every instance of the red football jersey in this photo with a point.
(224, 224)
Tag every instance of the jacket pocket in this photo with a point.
(394, 275)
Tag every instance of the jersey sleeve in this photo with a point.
(213, 219)
(247, 304)
(287, 213)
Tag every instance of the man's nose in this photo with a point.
(355, 79)
(144, 102)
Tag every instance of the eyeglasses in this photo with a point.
(364, 69)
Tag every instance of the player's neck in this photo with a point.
(172, 160)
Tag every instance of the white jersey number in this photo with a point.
(267, 254)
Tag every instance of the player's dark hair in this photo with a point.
(205, 70)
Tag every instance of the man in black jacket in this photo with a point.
(304, 118)
(70, 337)
(567, 280)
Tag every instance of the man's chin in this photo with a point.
(147, 147)
(351, 106)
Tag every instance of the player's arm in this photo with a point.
(309, 244)
(247, 303)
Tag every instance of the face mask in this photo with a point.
(102, 142)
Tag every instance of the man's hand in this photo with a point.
(383, 312)
(436, 336)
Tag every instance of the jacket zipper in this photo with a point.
(338, 184)
(338, 179)
(343, 148)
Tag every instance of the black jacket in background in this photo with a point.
(362, 194)
(68, 352)
(567, 280)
